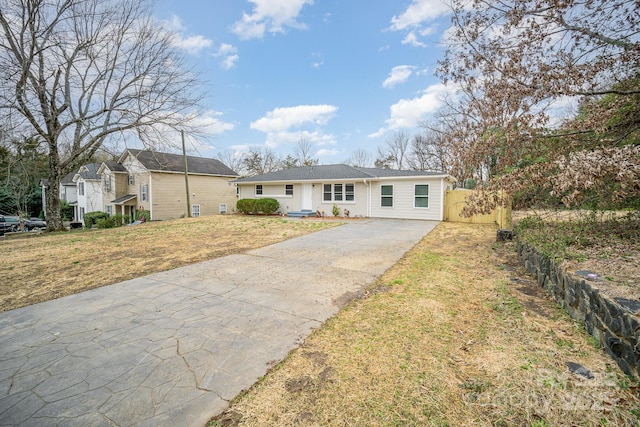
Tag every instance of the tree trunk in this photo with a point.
(54, 215)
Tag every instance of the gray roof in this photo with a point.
(327, 172)
(115, 167)
(91, 172)
(165, 162)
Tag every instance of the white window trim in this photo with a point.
(255, 190)
(428, 197)
(344, 193)
(144, 193)
(197, 207)
(392, 196)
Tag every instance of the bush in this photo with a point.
(141, 214)
(268, 206)
(66, 210)
(91, 218)
(119, 220)
(335, 210)
(105, 222)
(265, 206)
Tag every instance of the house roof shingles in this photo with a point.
(165, 162)
(326, 172)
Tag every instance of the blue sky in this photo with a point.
(344, 75)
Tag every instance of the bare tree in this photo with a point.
(234, 160)
(79, 74)
(261, 160)
(304, 153)
(430, 152)
(512, 60)
(394, 153)
(360, 158)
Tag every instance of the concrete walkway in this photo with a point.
(173, 348)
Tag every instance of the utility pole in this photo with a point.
(186, 175)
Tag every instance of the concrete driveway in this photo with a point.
(173, 348)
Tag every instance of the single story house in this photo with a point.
(366, 192)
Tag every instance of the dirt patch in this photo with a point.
(460, 337)
(53, 265)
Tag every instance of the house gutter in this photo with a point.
(368, 184)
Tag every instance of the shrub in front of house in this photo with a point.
(264, 206)
(91, 218)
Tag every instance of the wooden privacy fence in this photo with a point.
(454, 201)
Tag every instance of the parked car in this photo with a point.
(33, 223)
(9, 224)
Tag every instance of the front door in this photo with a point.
(307, 196)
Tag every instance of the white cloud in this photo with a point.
(281, 119)
(212, 124)
(407, 113)
(269, 15)
(412, 39)
(192, 44)
(229, 55)
(291, 124)
(419, 12)
(399, 74)
(415, 18)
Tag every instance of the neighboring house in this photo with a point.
(367, 192)
(155, 182)
(89, 190)
(68, 191)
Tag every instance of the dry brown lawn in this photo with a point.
(47, 266)
(446, 337)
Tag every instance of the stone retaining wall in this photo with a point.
(613, 322)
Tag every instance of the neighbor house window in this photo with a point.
(107, 183)
(386, 196)
(422, 196)
(82, 214)
(338, 192)
(109, 210)
(144, 193)
(259, 190)
(81, 188)
(195, 211)
(132, 179)
(288, 190)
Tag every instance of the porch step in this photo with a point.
(301, 214)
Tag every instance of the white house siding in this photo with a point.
(403, 199)
(358, 207)
(294, 203)
(91, 200)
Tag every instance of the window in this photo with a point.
(327, 195)
(81, 188)
(386, 196)
(422, 196)
(81, 214)
(132, 179)
(259, 190)
(144, 193)
(222, 208)
(109, 210)
(107, 183)
(338, 192)
(349, 192)
(195, 211)
(288, 190)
